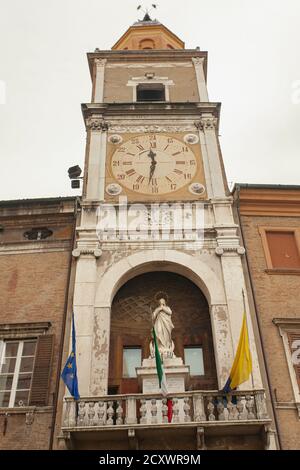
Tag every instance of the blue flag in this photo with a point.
(69, 373)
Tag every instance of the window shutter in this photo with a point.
(295, 337)
(39, 391)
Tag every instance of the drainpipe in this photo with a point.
(257, 318)
(62, 338)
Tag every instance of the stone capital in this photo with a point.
(198, 61)
(95, 124)
(96, 252)
(239, 250)
(207, 123)
(100, 62)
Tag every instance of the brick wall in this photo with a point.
(34, 277)
(277, 297)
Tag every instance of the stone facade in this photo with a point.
(103, 266)
(276, 295)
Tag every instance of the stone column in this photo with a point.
(100, 351)
(96, 159)
(99, 68)
(202, 88)
(84, 295)
(212, 158)
(234, 284)
(223, 345)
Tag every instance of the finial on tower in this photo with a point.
(147, 11)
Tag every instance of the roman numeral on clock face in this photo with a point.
(140, 179)
(130, 172)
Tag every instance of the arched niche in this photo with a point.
(131, 325)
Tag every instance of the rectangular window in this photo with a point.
(132, 358)
(150, 92)
(283, 249)
(16, 368)
(193, 357)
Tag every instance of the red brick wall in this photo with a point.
(32, 289)
(277, 297)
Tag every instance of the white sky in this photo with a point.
(254, 63)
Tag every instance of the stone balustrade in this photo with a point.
(151, 410)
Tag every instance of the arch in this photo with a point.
(191, 318)
(165, 260)
(147, 43)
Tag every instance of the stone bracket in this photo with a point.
(133, 440)
(200, 439)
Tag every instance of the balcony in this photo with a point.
(141, 421)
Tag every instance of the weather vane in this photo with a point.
(147, 11)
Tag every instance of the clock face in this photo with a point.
(153, 164)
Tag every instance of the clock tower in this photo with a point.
(156, 222)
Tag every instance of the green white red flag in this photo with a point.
(159, 368)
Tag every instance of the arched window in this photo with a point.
(147, 44)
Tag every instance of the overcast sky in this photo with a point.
(253, 70)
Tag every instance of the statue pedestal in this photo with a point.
(177, 375)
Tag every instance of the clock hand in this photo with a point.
(152, 155)
(152, 170)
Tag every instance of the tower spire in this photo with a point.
(147, 17)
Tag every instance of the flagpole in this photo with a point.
(244, 302)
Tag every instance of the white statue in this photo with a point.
(163, 326)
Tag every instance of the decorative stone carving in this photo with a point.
(91, 413)
(113, 189)
(211, 409)
(77, 252)
(153, 411)
(101, 412)
(119, 413)
(191, 139)
(149, 129)
(208, 123)
(163, 326)
(110, 413)
(81, 414)
(186, 409)
(115, 139)
(250, 407)
(197, 61)
(95, 124)
(175, 410)
(100, 62)
(143, 412)
(197, 188)
(164, 410)
(261, 407)
(220, 251)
